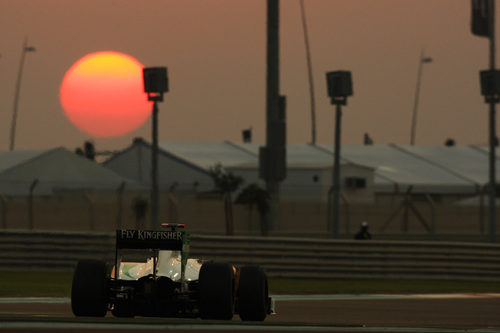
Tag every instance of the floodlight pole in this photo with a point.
(336, 172)
(309, 73)
(25, 49)
(339, 84)
(492, 116)
(421, 61)
(154, 169)
(155, 84)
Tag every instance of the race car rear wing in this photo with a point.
(173, 240)
(149, 239)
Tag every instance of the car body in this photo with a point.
(152, 276)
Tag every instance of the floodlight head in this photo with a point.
(339, 84)
(155, 82)
(490, 85)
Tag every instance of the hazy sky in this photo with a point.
(215, 54)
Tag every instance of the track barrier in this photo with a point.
(282, 257)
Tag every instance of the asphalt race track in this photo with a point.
(452, 313)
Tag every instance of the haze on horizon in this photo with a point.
(215, 54)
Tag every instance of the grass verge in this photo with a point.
(371, 286)
(58, 284)
(36, 284)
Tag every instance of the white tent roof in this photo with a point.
(465, 162)
(297, 154)
(9, 159)
(426, 169)
(208, 154)
(405, 169)
(485, 149)
(55, 168)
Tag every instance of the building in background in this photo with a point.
(398, 188)
(373, 173)
(186, 166)
(45, 172)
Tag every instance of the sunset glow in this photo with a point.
(102, 94)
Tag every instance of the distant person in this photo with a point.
(363, 232)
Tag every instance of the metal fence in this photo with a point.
(106, 211)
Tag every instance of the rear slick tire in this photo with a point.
(88, 291)
(216, 291)
(252, 294)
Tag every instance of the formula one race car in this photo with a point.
(152, 276)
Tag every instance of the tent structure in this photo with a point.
(427, 169)
(455, 172)
(309, 174)
(186, 165)
(44, 171)
(175, 171)
(466, 162)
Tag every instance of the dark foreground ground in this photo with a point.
(479, 314)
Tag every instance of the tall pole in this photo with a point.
(309, 73)
(421, 61)
(17, 93)
(336, 173)
(272, 105)
(415, 104)
(154, 169)
(492, 122)
(155, 84)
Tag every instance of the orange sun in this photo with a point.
(102, 94)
